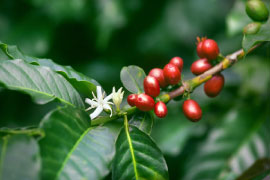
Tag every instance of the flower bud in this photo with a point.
(117, 98)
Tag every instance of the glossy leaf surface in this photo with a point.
(132, 78)
(138, 157)
(262, 35)
(173, 132)
(41, 83)
(72, 149)
(81, 82)
(230, 148)
(144, 121)
(19, 158)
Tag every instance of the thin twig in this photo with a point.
(188, 85)
(227, 62)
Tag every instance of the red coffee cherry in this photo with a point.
(161, 109)
(210, 49)
(151, 86)
(144, 102)
(214, 86)
(172, 74)
(199, 47)
(131, 99)
(192, 110)
(199, 50)
(177, 61)
(158, 74)
(200, 66)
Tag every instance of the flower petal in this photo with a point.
(91, 102)
(89, 108)
(94, 97)
(96, 112)
(108, 107)
(99, 93)
(108, 98)
(122, 94)
(119, 90)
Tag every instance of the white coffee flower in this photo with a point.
(117, 97)
(100, 103)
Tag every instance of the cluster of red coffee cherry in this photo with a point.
(208, 51)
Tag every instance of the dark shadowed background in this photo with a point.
(99, 37)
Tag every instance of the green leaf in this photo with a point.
(30, 131)
(13, 52)
(81, 82)
(231, 147)
(173, 132)
(258, 170)
(262, 35)
(264, 176)
(72, 149)
(132, 78)
(144, 121)
(19, 158)
(172, 136)
(43, 84)
(137, 156)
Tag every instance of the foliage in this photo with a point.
(230, 142)
(72, 148)
(250, 40)
(41, 83)
(20, 152)
(137, 156)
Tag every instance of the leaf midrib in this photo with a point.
(43, 93)
(131, 148)
(71, 151)
(138, 87)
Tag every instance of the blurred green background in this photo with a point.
(99, 37)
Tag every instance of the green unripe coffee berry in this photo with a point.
(257, 10)
(252, 28)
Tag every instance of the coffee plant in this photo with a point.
(93, 134)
